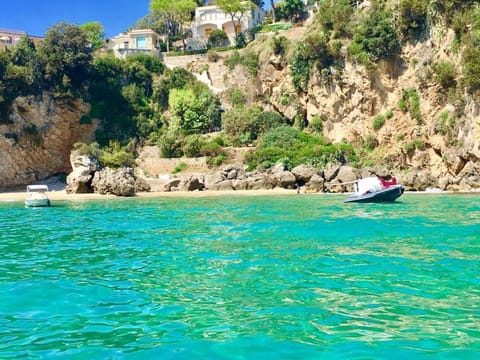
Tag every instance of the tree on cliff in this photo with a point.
(174, 14)
(95, 34)
(67, 55)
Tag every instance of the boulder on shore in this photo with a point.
(79, 181)
(120, 182)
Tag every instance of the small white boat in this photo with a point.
(375, 189)
(37, 196)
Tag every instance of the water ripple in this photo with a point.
(301, 277)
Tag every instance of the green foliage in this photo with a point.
(300, 66)
(196, 112)
(243, 126)
(378, 122)
(445, 124)
(233, 60)
(67, 55)
(370, 142)
(410, 102)
(376, 37)
(276, 27)
(445, 74)
(249, 59)
(292, 9)
(170, 146)
(193, 145)
(217, 160)
(280, 45)
(115, 156)
(471, 65)
(180, 167)
(95, 34)
(237, 97)
(217, 38)
(178, 78)
(85, 120)
(412, 19)
(411, 146)
(335, 17)
(92, 149)
(293, 147)
(316, 124)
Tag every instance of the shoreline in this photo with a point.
(61, 195)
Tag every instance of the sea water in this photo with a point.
(241, 277)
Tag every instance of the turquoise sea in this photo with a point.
(241, 277)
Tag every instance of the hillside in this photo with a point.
(354, 86)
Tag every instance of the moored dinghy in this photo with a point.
(37, 196)
(375, 189)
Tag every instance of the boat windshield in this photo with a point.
(370, 184)
(37, 188)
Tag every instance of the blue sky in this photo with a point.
(36, 16)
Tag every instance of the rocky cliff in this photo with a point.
(36, 140)
(442, 142)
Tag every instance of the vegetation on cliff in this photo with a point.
(140, 101)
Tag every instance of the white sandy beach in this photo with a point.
(62, 194)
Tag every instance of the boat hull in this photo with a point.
(389, 194)
(37, 202)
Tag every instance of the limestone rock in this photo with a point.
(80, 179)
(120, 182)
(315, 184)
(192, 183)
(303, 173)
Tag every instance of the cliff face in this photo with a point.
(38, 141)
(443, 142)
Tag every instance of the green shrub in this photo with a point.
(316, 124)
(217, 160)
(300, 66)
(378, 122)
(335, 17)
(445, 123)
(180, 167)
(375, 36)
(85, 120)
(114, 155)
(370, 143)
(410, 102)
(445, 74)
(92, 149)
(237, 97)
(193, 146)
(169, 146)
(280, 45)
(217, 38)
(412, 19)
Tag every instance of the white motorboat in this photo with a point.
(37, 196)
(375, 189)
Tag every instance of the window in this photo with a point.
(141, 42)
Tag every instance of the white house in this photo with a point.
(135, 42)
(211, 17)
